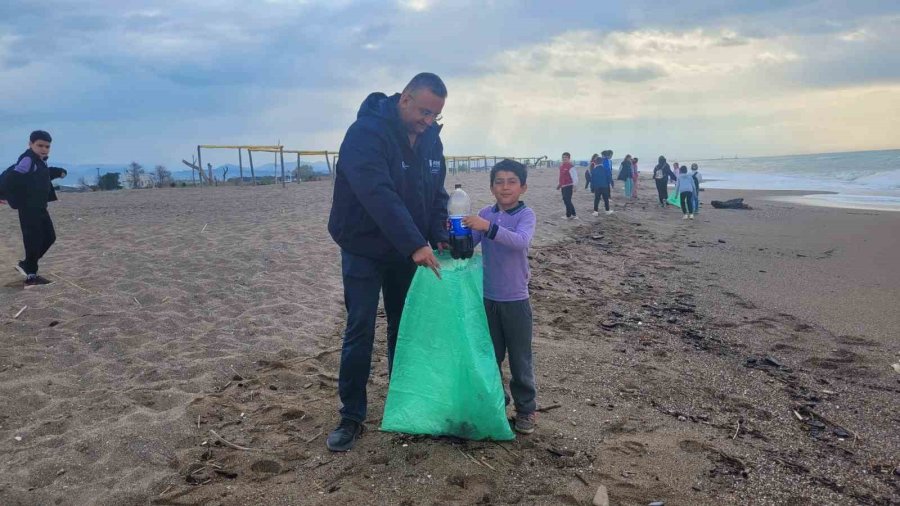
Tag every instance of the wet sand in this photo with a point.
(667, 371)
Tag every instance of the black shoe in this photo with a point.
(36, 280)
(20, 267)
(344, 436)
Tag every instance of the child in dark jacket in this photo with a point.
(27, 187)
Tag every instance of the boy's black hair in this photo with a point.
(513, 166)
(567, 154)
(428, 81)
(40, 135)
(682, 169)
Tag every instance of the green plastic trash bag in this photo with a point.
(674, 200)
(445, 379)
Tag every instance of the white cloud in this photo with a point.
(854, 36)
(416, 5)
(698, 89)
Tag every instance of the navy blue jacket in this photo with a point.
(383, 208)
(601, 176)
(31, 188)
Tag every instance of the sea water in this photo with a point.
(859, 180)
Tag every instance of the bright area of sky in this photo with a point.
(123, 80)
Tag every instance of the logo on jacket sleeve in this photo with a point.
(435, 166)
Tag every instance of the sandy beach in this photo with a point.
(187, 354)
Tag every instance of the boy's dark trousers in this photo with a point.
(364, 280)
(37, 234)
(510, 325)
(567, 192)
(662, 190)
(601, 192)
(687, 202)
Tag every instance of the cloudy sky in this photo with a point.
(122, 80)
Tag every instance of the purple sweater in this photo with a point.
(505, 250)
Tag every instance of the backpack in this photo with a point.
(5, 190)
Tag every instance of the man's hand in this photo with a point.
(424, 257)
(476, 222)
(559, 187)
(443, 246)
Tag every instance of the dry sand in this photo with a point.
(667, 371)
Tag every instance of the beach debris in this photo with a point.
(722, 241)
(20, 312)
(230, 444)
(53, 323)
(548, 408)
(895, 366)
(204, 227)
(18, 438)
(657, 503)
(773, 362)
(730, 204)
(841, 433)
(601, 497)
(57, 276)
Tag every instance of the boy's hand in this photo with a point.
(424, 257)
(558, 187)
(476, 222)
(443, 246)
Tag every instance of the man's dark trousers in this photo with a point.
(364, 279)
(37, 234)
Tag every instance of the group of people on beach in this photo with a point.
(389, 216)
(598, 178)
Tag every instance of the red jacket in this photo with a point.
(565, 178)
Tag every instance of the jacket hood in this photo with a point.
(662, 159)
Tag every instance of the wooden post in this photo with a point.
(199, 163)
(241, 167)
(330, 171)
(283, 182)
(297, 169)
(252, 172)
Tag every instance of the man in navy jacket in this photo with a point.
(388, 211)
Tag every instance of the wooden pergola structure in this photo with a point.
(277, 149)
(488, 161)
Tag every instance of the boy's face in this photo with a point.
(40, 148)
(507, 189)
(565, 158)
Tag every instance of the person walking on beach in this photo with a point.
(634, 177)
(662, 173)
(568, 178)
(389, 209)
(698, 178)
(626, 175)
(587, 173)
(27, 188)
(684, 187)
(601, 182)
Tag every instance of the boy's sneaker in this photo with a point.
(35, 280)
(20, 267)
(524, 423)
(691, 216)
(609, 212)
(344, 436)
(684, 217)
(576, 218)
(596, 213)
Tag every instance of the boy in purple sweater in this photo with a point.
(505, 231)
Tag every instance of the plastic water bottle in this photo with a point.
(462, 245)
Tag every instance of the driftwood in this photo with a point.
(730, 204)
